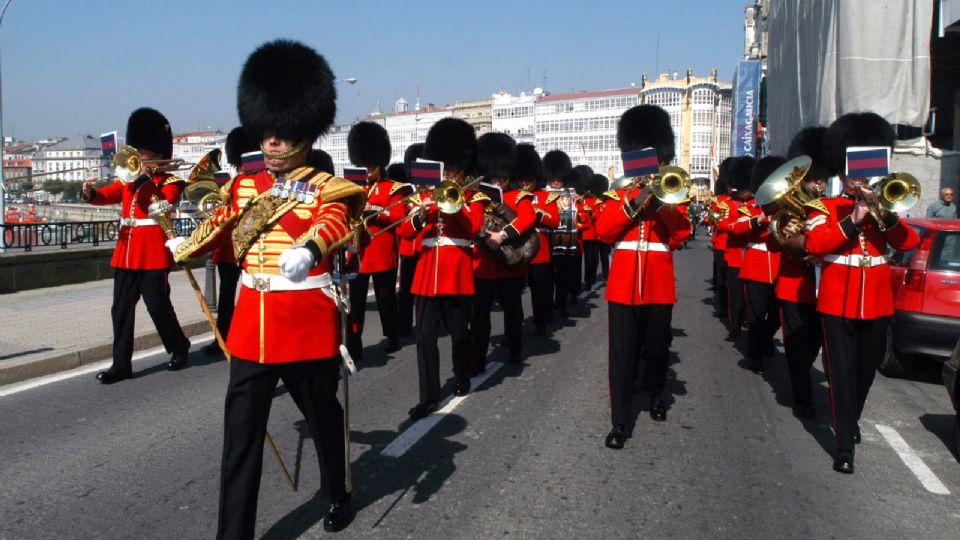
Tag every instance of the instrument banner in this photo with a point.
(108, 144)
(867, 161)
(426, 173)
(640, 162)
(252, 162)
(357, 175)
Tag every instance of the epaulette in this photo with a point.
(173, 179)
(398, 186)
(415, 199)
(333, 188)
(521, 194)
(817, 205)
(745, 211)
(612, 195)
(478, 197)
(551, 197)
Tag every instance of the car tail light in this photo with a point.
(913, 279)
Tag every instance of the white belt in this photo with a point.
(757, 246)
(633, 245)
(271, 282)
(855, 260)
(441, 241)
(134, 222)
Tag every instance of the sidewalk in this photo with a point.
(50, 330)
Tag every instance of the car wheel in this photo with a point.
(893, 364)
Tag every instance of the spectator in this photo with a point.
(944, 208)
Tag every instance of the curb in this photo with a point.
(38, 367)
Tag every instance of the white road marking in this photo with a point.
(414, 433)
(913, 461)
(88, 368)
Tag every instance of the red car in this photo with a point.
(926, 290)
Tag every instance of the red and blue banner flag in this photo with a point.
(867, 161)
(108, 144)
(426, 173)
(357, 175)
(640, 162)
(252, 162)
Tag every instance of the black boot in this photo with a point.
(658, 408)
(113, 375)
(844, 462)
(616, 437)
(339, 516)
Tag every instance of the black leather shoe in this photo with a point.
(463, 388)
(616, 437)
(844, 462)
(658, 409)
(178, 361)
(805, 410)
(112, 375)
(393, 345)
(422, 410)
(856, 435)
(339, 516)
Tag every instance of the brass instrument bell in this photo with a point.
(448, 196)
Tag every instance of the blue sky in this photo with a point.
(81, 66)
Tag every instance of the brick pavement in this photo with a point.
(50, 330)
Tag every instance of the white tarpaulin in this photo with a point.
(830, 57)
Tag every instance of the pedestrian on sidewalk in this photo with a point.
(141, 262)
(944, 207)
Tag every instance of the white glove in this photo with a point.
(173, 243)
(295, 263)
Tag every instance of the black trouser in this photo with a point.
(853, 348)
(128, 287)
(454, 312)
(313, 384)
(631, 329)
(604, 260)
(719, 283)
(540, 279)
(577, 280)
(591, 258)
(385, 291)
(509, 293)
(564, 279)
(735, 300)
(801, 341)
(227, 298)
(408, 265)
(763, 318)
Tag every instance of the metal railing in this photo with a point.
(27, 236)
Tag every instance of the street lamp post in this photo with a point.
(3, 191)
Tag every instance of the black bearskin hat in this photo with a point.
(599, 184)
(320, 160)
(237, 145)
(286, 90)
(584, 176)
(762, 170)
(368, 145)
(397, 172)
(854, 129)
(809, 142)
(556, 163)
(646, 126)
(147, 129)
(496, 156)
(452, 141)
(529, 165)
(739, 172)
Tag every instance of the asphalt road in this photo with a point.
(521, 456)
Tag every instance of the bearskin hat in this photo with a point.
(556, 163)
(646, 126)
(237, 145)
(720, 186)
(147, 129)
(397, 172)
(320, 160)
(739, 172)
(809, 142)
(599, 184)
(286, 90)
(529, 165)
(452, 141)
(368, 145)
(854, 129)
(762, 170)
(496, 156)
(584, 177)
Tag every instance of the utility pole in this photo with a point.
(3, 192)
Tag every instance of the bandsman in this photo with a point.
(739, 172)
(539, 271)
(409, 252)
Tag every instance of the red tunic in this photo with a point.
(548, 217)
(140, 245)
(484, 265)
(278, 326)
(796, 281)
(588, 232)
(851, 285)
(445, 265)
(381, 253)
(720, 208)
(761, 258)
(733, 251)
(641, 271)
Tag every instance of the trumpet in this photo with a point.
(670, 186)
(897, 192)
(448, 197)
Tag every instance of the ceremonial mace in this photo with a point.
(160, 210)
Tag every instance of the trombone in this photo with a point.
(671, 185)
(127, 165)
(448, 197)
(897, 192)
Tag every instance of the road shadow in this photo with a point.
(423, 469)
(25, 353)
(945, 427)
(673, 387)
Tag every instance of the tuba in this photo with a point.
(897, 192)
(784, 189)
(202, 188)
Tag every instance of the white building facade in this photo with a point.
(81, 152)
(193, 145)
